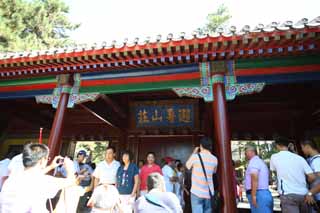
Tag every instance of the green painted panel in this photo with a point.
(140, 87)
(27, 81)
(277, 62)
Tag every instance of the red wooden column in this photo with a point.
(55, 138)
(222, 140)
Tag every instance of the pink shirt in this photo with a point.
(258, 166)
(146, 170)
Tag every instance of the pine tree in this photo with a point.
(34, 24)
(215, 20)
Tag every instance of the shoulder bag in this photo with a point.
(215, 197)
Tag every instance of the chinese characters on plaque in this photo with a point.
(180, 115)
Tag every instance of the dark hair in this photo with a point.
(282, 141)
(154, 181)
(111, 147)
(33, 153)
(151, 153)
(310, 142)
(206, 143)
(93, 166)
(127, 152)
(10, 155)
(179, 166)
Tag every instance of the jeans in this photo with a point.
(264, 202)
(200, 205)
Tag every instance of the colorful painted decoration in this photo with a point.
(219, 72)
(195, 92)
(73, 99)
(232, 91)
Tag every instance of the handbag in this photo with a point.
(215, 198)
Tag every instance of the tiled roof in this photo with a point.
(273, 39)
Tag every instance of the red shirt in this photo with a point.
(146, 170)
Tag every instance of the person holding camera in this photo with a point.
(29, 190)
(203, 165)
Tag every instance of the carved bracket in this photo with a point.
(74, 98)
(232, 91)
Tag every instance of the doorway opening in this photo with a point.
(95, 150)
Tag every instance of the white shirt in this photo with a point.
(168, 200)
(28, 192)
(4, 171)
(105, 197)
(168, 173)
(107, 173)
(291, 172)
(16, 165)
(179, 185)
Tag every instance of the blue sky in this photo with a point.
(108, 20)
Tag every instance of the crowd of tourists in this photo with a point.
(297, 178)
(29, 185)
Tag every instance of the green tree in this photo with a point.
(215, 20)
(96, 149)
(34, 24)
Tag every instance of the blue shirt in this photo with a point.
(125, 178)
(314, 163)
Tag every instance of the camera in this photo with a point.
(60, 161)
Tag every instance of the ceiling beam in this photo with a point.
(28, 113)
(98, 116)
(114, 106)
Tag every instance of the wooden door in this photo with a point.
(175, 147)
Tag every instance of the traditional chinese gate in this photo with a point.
(214, 68)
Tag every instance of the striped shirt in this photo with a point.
(199, 184)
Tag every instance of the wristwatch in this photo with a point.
(309, 193)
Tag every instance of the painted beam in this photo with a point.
(277, 61)
(283, 78)
(269, 70)
(24, 94)
(141, 87)
(28, 81)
